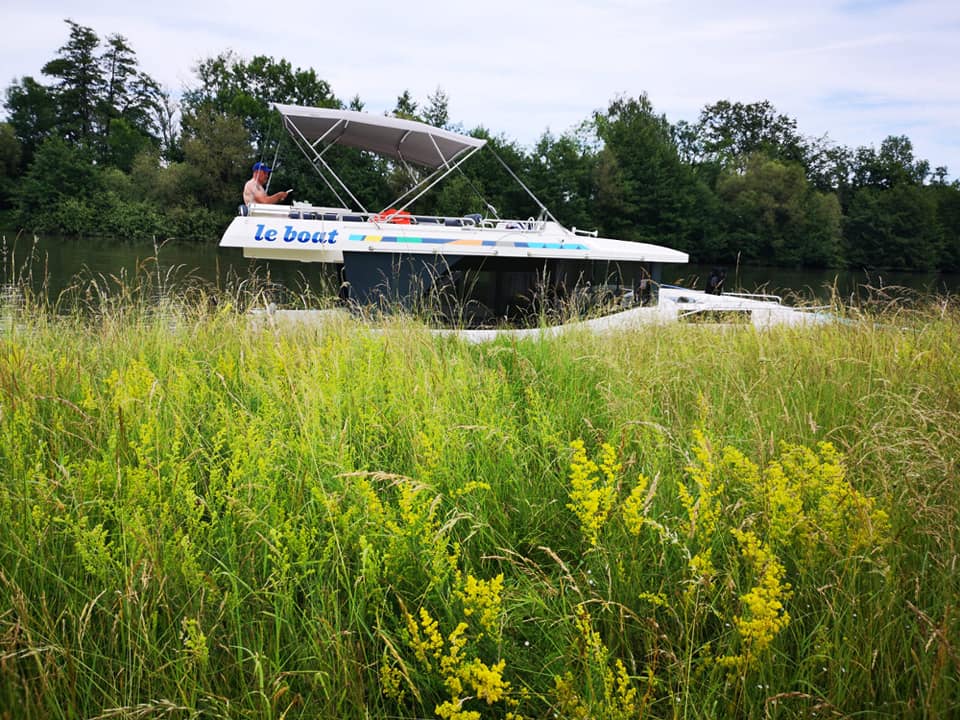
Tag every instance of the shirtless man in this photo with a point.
(253, 191)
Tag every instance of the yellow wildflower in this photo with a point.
(702, 567)
(457, 640)
(136, 383)
(470, 487)
(655, 599)
(813, 492)
(591, 638)
(625, 694)
(390, 682)
(428, 456)
(487, 681)
(633, 506)
(764, 615)
(590, 499)
(194, 642)
(619, 698)
(703, 508)
(425, 638)
(482, 598)
(608, 464)
(453, 710)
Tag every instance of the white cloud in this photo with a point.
(858, 70)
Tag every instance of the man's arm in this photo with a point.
(260, 196)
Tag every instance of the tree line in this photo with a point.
(101, 149)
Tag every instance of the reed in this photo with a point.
(212, 514)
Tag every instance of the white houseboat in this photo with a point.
(484, 271)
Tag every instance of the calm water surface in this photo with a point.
(53, 264)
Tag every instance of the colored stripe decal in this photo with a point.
(470, 242)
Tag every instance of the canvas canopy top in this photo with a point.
(405, 140)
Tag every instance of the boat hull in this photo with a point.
(308, 236)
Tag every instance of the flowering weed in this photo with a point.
(255, 521)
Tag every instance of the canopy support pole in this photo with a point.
(302, 143)
(440, 173)
(543, 208)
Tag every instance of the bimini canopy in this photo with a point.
(405, 140)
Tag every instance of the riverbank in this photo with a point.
(207, 516)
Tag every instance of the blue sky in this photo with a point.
(856, 70)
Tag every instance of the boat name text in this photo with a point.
(290, 234)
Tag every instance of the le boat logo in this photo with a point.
(289, 235)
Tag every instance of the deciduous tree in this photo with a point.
(894, 164)
(32, 114)
(643, 190)
(730, 132)
(60, 170)
(9, 163)
(562, 176)
(773, 217)
(216, 162)
(892, 228)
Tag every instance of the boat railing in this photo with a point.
(765, 297)
(306, 211)
(716, 314)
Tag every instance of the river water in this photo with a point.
(53, 264)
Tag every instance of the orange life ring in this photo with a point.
(391, 215)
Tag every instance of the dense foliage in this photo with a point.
(207, 516)
(102, 149)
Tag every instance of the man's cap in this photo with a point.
(261, 166)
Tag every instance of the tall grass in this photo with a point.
(205, 515)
